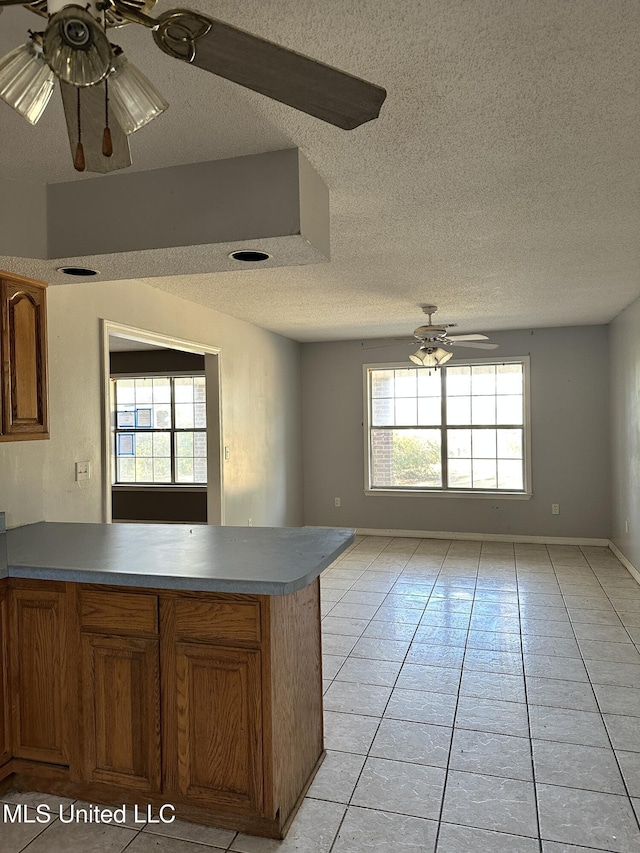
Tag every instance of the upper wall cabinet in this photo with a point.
(23, 358)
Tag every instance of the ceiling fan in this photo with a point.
(434, 338)
(106, 98)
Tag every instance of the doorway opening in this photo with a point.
(162, 428)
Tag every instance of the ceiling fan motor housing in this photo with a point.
(430, 332)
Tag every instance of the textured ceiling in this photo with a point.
(500, 182)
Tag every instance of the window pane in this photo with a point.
(382, 383)
(162, 470)
(161, 444)
(459, 444)
(200, 469)
(144, 391)
(429, 383)
(483, 379)
(484, 474)
(200, 415)
(126, 469)
(183, 389)
(459, 474)
(144, 470)
(184, 444)
(406, 412)
(184, 415)
(184, 470)
(406, 384)
(458, 410)
(200, 444)
(510, 474)
(510, 443)
(483, 410)
(409, 458)
(509, 378)
(382, 412)
(161, 390)
(429, 411)
(458, 381)
(144, 445)
(510, 409)
(125, 392)
(162, 416)
(484, 443)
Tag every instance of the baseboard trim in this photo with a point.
(483, 537)
(635, 574)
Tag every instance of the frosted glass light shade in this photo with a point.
(76, 48)
(26, 81)
(430, 356)
(135, 102)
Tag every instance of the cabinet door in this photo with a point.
(120, 698)
(24, 360)
(5, 718)
(38, 675)
(219, 726)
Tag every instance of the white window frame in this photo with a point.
(444, 492)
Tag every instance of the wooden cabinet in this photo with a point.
(209, 701)
(38, 679)
(120, 702)
(218, 715)
(23, 358)
(5, 716)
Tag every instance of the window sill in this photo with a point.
(159, 487)
(441, 493)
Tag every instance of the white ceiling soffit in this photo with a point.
(177, 220)
(500, 181)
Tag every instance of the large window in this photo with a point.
(160, 429)
(460, 428)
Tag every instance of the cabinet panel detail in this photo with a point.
(219, 725)
(120, 700)
(119, 613)
(5, 715)
(206, 621)
(38, 675)
(24, 359)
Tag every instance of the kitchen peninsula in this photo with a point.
(153, 664)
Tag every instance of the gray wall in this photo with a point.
(624, 333)
(260, 390)
(569, 429)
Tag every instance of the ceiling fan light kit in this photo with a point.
(26, 81)
(430, 356)
(135, 101)
(75, 49)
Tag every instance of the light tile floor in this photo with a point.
(480, 698)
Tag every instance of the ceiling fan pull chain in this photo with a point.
(107, 142)
(79, 163)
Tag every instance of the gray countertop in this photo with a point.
(255, 560)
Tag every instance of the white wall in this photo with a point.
(624, 336)
(569, 429)
(260, 402)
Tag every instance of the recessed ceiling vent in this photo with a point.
(80, 272)
(249, 257)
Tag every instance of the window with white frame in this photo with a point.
(160, 429)
(460, 428)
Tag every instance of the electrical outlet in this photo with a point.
(555, 509)
(250, 522)
(337, 501)
(227, 452)
(83, 471)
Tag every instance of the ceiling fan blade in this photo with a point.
(92, 121)
(268, 68)
(473, 344)
(467, 338)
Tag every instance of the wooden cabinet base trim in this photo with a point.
(48, 779)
